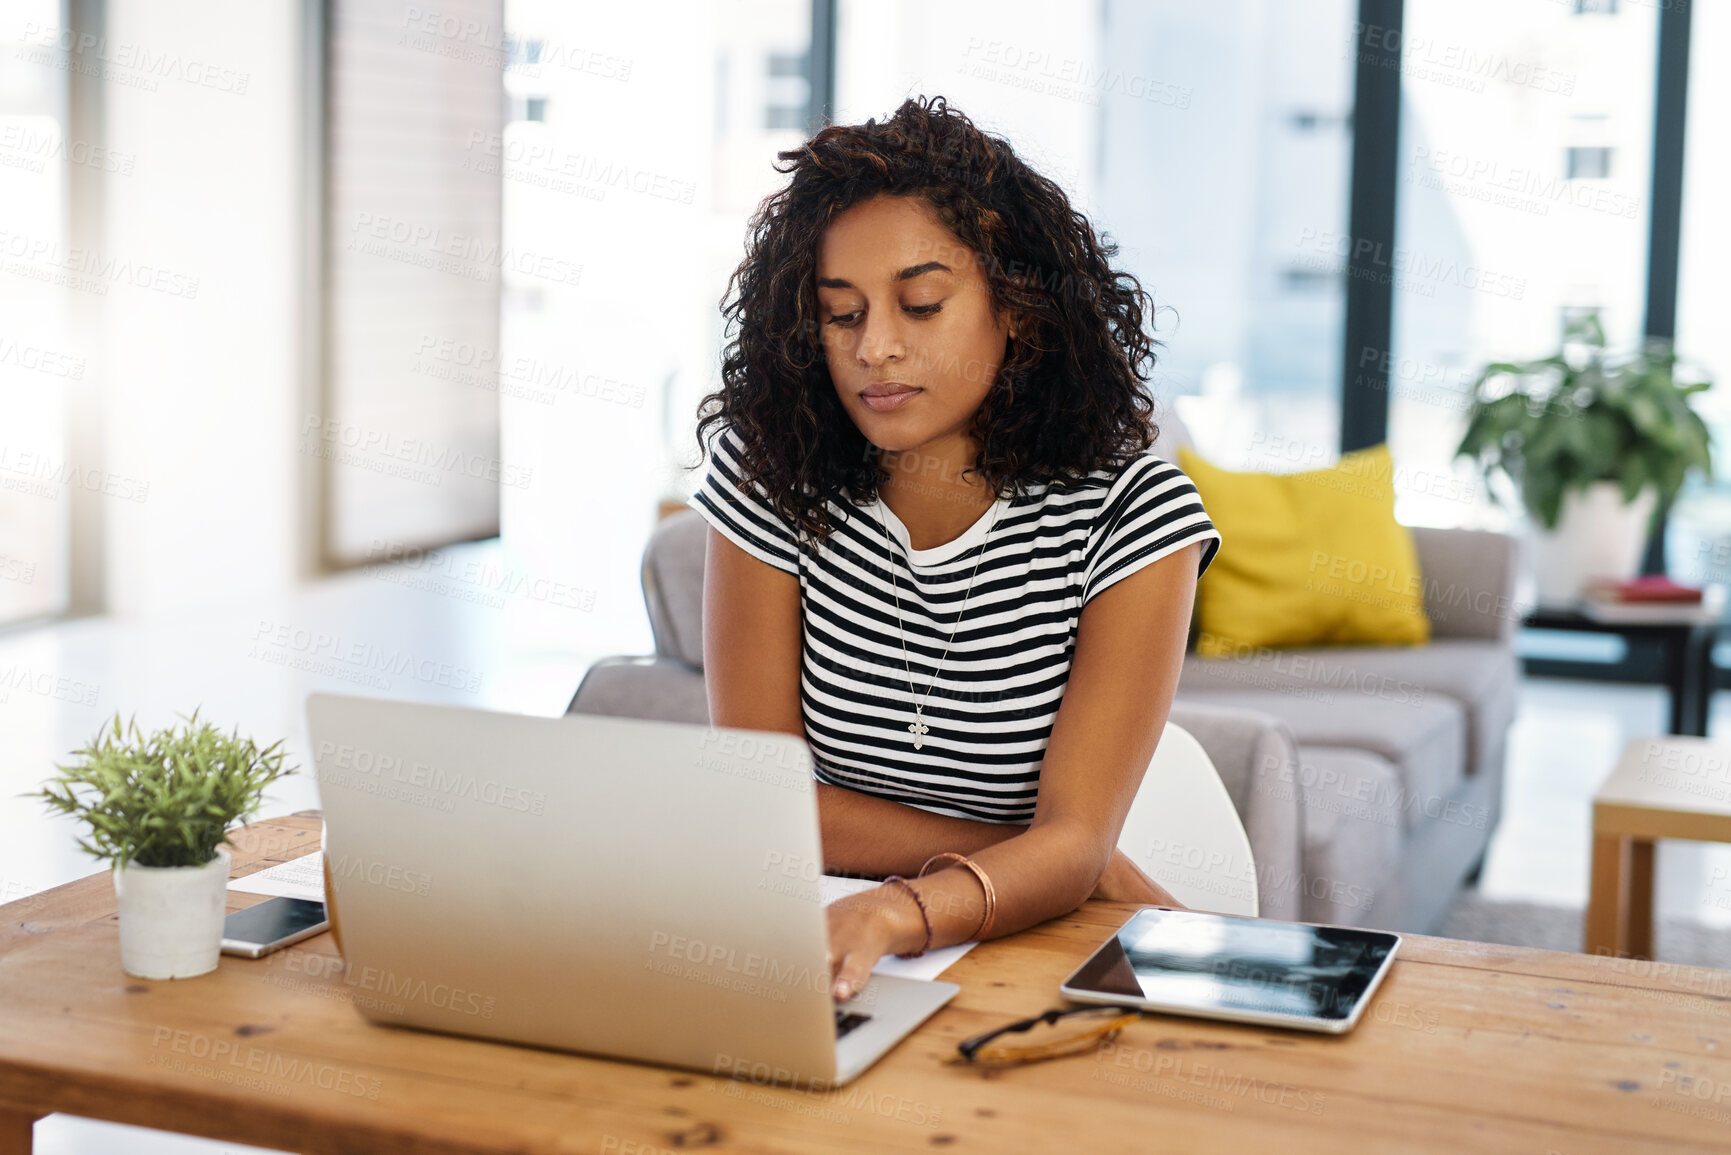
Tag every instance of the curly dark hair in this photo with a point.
(1068, 399)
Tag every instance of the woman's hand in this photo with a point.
(865, 926)
(1124, 881)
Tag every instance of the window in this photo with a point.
(787, 92)
(1312, 120)
(1298, 278)
(530, 108)
(1589, 163)
(414, 263)
(43, 474)
(520, 51)
(1698, 536)
(622, 218)
(1229, 199)
(1512, 216)
(1170, 127)
(784, 118)
(523, 299)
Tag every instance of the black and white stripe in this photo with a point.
(991, 711)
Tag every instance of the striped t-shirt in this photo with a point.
(991, 709)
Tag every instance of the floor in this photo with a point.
(401, 633)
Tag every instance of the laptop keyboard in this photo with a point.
(846, 1021)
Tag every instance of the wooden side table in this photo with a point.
(1675, 787)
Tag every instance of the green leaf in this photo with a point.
(1552, 426)
(165, 798)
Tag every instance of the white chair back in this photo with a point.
(1183, 830)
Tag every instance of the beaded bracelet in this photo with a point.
(985, 885)
(921, 903)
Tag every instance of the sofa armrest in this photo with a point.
(1469, 582)
(672, 575)
(1249, 749)
(659, 689)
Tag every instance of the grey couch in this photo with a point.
(1368, 780)
(1400, 748)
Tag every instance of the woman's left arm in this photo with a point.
(1124, 671)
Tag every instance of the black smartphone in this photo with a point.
(271, 925)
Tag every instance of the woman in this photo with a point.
(940, 550)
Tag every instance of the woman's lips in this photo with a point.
(889, 402)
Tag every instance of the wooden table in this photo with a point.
(1673, 787)
(1468, 1047)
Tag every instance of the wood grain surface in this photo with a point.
(1468, 1047)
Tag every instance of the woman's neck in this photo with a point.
(936, 505)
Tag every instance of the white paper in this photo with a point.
(302, 877)
(928, 966)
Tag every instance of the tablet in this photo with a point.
(1251, 970)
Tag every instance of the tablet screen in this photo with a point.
(1191, 960)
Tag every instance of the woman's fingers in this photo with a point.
(855, 971)
(855, 945)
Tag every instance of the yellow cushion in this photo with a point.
(1317, 558)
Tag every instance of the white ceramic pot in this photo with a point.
(1597, 536)
(171, 917)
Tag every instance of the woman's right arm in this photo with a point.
(751, 662)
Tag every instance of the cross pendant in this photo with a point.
(916, 728)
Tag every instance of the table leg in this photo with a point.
(1638, 901)
(1677, 680)
(16, 1131)
(1607, 897)
(1701, 643)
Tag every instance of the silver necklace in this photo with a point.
(918, 726)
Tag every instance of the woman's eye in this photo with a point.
(917, 310)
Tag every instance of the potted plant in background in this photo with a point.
(1594, 445)
(159, 808)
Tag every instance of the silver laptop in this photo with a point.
(641, 890)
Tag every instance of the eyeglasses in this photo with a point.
(1063, 1031)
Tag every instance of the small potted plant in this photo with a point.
(1594, 445)
(159, 808)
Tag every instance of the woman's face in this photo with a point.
(902, 301)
